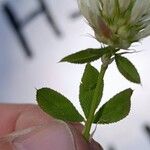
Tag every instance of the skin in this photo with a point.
(28, 125)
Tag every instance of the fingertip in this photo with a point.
(95, 146)
(80, 142)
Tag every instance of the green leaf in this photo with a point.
(57, 105)
(90, 76)
(86, 56)
(115, 109)
(87, 88)
(127, 69)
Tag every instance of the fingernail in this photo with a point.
(56, 136)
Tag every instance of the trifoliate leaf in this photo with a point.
(87, 88)
(127, 69)
(115, 109)
(57, 105)
(86, 56)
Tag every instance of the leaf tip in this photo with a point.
(130, 91)
(62, 60)
(36, 89)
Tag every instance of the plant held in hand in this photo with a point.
(117, 24)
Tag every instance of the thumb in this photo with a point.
(56, 136)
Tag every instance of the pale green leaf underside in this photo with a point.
(115, 109)
(127, 69)
(57, 105)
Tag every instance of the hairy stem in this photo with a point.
(96, 97)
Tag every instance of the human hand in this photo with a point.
(27, 127)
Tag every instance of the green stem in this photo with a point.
(96, 97)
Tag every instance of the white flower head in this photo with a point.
(117, 23)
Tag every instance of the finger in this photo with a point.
(95, 146)
(35, 118)
(14, 116)
(80, 141)
(57, 136)
(8, 116)
(27, 117)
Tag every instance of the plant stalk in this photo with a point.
(96, 97)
